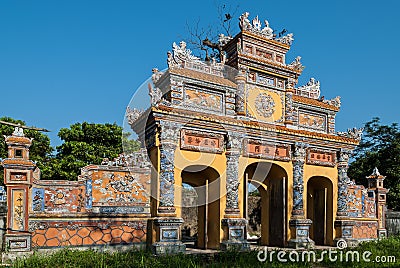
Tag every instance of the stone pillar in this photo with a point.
(234, 227)
(343, 225)
(289, 109)
(167, 225)
(18, 174)
(299, 225)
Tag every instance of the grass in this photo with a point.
(135, 258)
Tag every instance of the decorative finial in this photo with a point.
(18, 131)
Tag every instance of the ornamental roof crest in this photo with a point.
(255, 26)
(310, 90)
(179, 55)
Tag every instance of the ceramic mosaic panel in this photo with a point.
(265, 150)
(67, 199)
(199, 99)
(312, 120)
(120, 188)
(204, 142)
(361, 202)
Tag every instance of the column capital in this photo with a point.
(234, 142)
(300, 151)
(169, 131)
(344, 156)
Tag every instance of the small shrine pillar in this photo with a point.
(375, 182)
(300, 226)
(18, 174)
(167, 224)
(343, 225)
(233, 225)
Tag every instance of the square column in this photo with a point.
(234, 227)
(166, 224)
(299, 225)
(343, 224)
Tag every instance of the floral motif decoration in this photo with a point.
(265, 105)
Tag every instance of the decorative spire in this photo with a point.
(375, 174)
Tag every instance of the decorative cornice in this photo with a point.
(314, 102)
(281, 66)
(252, 124)
(271, 41)
(202, 76)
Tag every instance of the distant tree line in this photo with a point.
(82, 144)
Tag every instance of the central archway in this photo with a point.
(206, 182)
(271, 182)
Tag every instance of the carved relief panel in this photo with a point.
(198, 99)
(265, 105)
(311, 120)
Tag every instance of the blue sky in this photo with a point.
(63, 62)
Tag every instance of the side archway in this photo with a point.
(320, 209)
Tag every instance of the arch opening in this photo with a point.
(271, 182)
(205, 182)
(320, 209)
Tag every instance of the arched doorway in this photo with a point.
(320, 209)
(205, 181)
(271, 182)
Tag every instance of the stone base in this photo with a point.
(382, 233)
(162, 248)
(301, 243)
(300, 234)
(18, 242)
(235, 245)
(168, 237)
(234, 234)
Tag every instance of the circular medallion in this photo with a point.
(265, 105)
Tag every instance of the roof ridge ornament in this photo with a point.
(179, 55)
(255, 26)
(310, 90)
(296, 64)
(353, 133)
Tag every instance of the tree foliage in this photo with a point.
(379, 147)
(83, 144)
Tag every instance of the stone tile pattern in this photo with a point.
(365, 230)
(57, 234)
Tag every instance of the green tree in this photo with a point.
(40, 151)
(84, 144)
(379, 147)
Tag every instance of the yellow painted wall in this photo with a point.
(184, 158)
